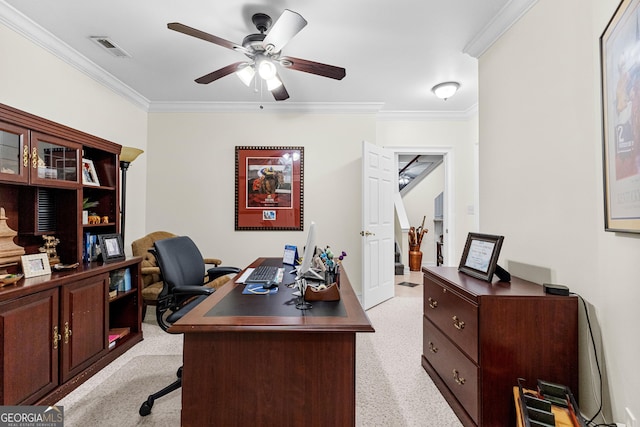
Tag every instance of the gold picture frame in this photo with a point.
(35, 265)
(620, 117)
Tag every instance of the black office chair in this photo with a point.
(182, 269)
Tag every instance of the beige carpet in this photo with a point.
(392, 389)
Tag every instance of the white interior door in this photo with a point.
(377, 225)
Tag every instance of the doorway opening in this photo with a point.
(415, 164)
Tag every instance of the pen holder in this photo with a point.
(332, 276)
(322, 293)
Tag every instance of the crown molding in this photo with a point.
(254, 107)
(504, 19)
(429, 115)
(310, 108)
(24, 26)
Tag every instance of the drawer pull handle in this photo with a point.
(432, 303)
(432, 348)
(457, 377)
(459, 324)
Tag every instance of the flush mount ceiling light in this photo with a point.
(445, 90)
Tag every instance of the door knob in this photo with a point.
(367, 233)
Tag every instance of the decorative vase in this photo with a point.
(415, 258)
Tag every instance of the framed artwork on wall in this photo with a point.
(620, 66)
(269, 188)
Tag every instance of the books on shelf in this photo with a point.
(120, 280)
(90, 248)
(116, 334)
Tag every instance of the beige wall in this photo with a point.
(33, 80)
(541, 182)
(191, 158)
(459, 138)
(191, 182)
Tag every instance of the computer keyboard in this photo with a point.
(265, 274)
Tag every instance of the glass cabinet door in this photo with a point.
(14, 153)
(54, 160)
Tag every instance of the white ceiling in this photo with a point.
(394, 52)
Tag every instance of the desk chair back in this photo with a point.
(186, 284)
(183, 272)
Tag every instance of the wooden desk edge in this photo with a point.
(197, 321)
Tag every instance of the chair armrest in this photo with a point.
(214, 261)
(150, 270)
(215, 272)
(193, 290)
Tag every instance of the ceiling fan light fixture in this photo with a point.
(273, 83)
(266, 69)
(445, 90)
(246, 74)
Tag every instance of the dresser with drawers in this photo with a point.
(480, 337)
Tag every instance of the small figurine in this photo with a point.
(50, 243)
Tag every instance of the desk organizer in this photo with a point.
(320, 293)
(550, 405)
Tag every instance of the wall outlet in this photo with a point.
(629, 419)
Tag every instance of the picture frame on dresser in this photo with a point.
(35, 265)
(480, 256)
(111, 247)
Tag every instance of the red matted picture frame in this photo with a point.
(269, 188)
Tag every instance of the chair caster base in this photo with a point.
(145, 408)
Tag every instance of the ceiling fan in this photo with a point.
(263, 50)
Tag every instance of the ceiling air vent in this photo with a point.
(110, 46)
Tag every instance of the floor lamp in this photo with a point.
(127, 155)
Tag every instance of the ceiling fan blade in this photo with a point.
(306, 66)
(184, 29)
(280, 93)
(224, 71)
(288, 25)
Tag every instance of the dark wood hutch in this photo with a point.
(54, 329)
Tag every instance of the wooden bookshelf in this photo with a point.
(55, 328)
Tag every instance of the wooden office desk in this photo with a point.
(257, 360)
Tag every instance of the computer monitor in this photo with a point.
(305, 270)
